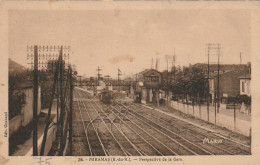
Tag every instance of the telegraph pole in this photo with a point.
(240, 59)
(61, 102)
(152, 64)
(71, 102)
(208, 85)
(118, 78)
(35, 101)
(214, 49)
(167, 82)
(218, 54)
(99, 75)
(174, 60)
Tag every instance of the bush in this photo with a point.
(239, 100)
(16, 102)
(45, 95)
(16, 95)
(244, 99)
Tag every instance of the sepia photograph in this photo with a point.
(129, 83)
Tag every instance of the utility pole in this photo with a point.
(79, 80)
(35, 101)
(71, 102)
(99, 75)
(58, 97)
(174, 60)
(152, 64)
(156, 64)
(61, 102)
(167, 81)
(214, 49)
(167, 93)
(218, 54)
(234, 104)
(208, 83)
(172, 69)
(240, 59)
(118, 78)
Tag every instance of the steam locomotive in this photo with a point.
(106, 97)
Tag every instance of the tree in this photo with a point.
(16, 95)
(189, 82)
(198, 82)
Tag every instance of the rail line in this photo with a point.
(240, 148)
(221, 136)
(140, 136)
(160, 141)
(168, 132)
(176, 142)
(85, 130)
(111, 121)
(120, 130)
(164, 137)
(191, 133)
(105, 153)
(141, 153)
(120, 145)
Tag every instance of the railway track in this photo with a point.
(126, 144)
(136, 131)
(192, 133)
(164, 144)
(123, 145)
(94, 143)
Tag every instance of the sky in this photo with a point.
(129, 39)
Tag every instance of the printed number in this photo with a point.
(80, 160)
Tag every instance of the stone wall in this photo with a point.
(26, 113)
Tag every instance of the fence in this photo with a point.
(237, 122)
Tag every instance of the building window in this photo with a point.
(152, 79)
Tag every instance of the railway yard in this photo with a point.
(135, 130)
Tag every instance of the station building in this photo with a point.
(148, 84)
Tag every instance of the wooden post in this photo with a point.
(250, 141)
(208, 85)
(215, 101)
(58, 98)
(199, 107)
(234, 116)
(35, 101)
(61, 104)
(193, 106)
(71, 103)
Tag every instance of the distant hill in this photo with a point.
(14, 66)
